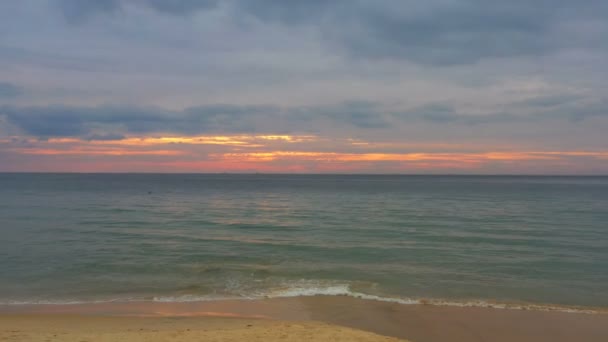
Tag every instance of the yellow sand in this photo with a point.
(80, 328)
(294, 319)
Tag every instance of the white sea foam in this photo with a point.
(304, 290)
(318, 288)
(195, 298)
(62, 301)
(300, 290)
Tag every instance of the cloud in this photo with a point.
(113, 122)
(527, 73)
(360, 114)
(9, 90)
(60, 120)
(573, 108)
(69, 121)
(107, 121)
(292, 12)
(581, 111)
(548, 100)
(104, 137)
(79, 11)
(440, 32)
(434, 112)
(433, 32)
(446, 33)
(180, 7)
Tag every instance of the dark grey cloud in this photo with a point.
(225, 118)
(180, 7)
(105, 137)
(9, 90)
(292, 12)
(78, 11)
(112, 122)
(444, 113)
(451, 35)
(52, 121)
(549, 100)
(434, 112)
(87, 122)
(582, 111)
(573, 108)
(360, 114)
(440, 32)
(432, 32)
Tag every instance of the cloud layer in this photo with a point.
(436, 32)
(8, 90)
(393, 76)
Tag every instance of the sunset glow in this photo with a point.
(278, 153)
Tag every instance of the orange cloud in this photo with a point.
(367, 157)
(288, 153)
(234, 140)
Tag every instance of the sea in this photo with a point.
(502, 241)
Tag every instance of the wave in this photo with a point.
(344, 290)
(313, 289)
(64, 301)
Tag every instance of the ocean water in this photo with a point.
(464, 240)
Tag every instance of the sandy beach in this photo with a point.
(320, 318)
(68, 328)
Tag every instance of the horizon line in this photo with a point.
(307, 174)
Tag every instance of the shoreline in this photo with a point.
(416, 322)
(524, 306)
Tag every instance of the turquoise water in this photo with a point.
(116, 237)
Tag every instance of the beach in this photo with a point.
(66, 328)
(316, 318)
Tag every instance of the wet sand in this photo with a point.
(294, 316)
(427, 323)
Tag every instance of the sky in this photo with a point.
(315, 86)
